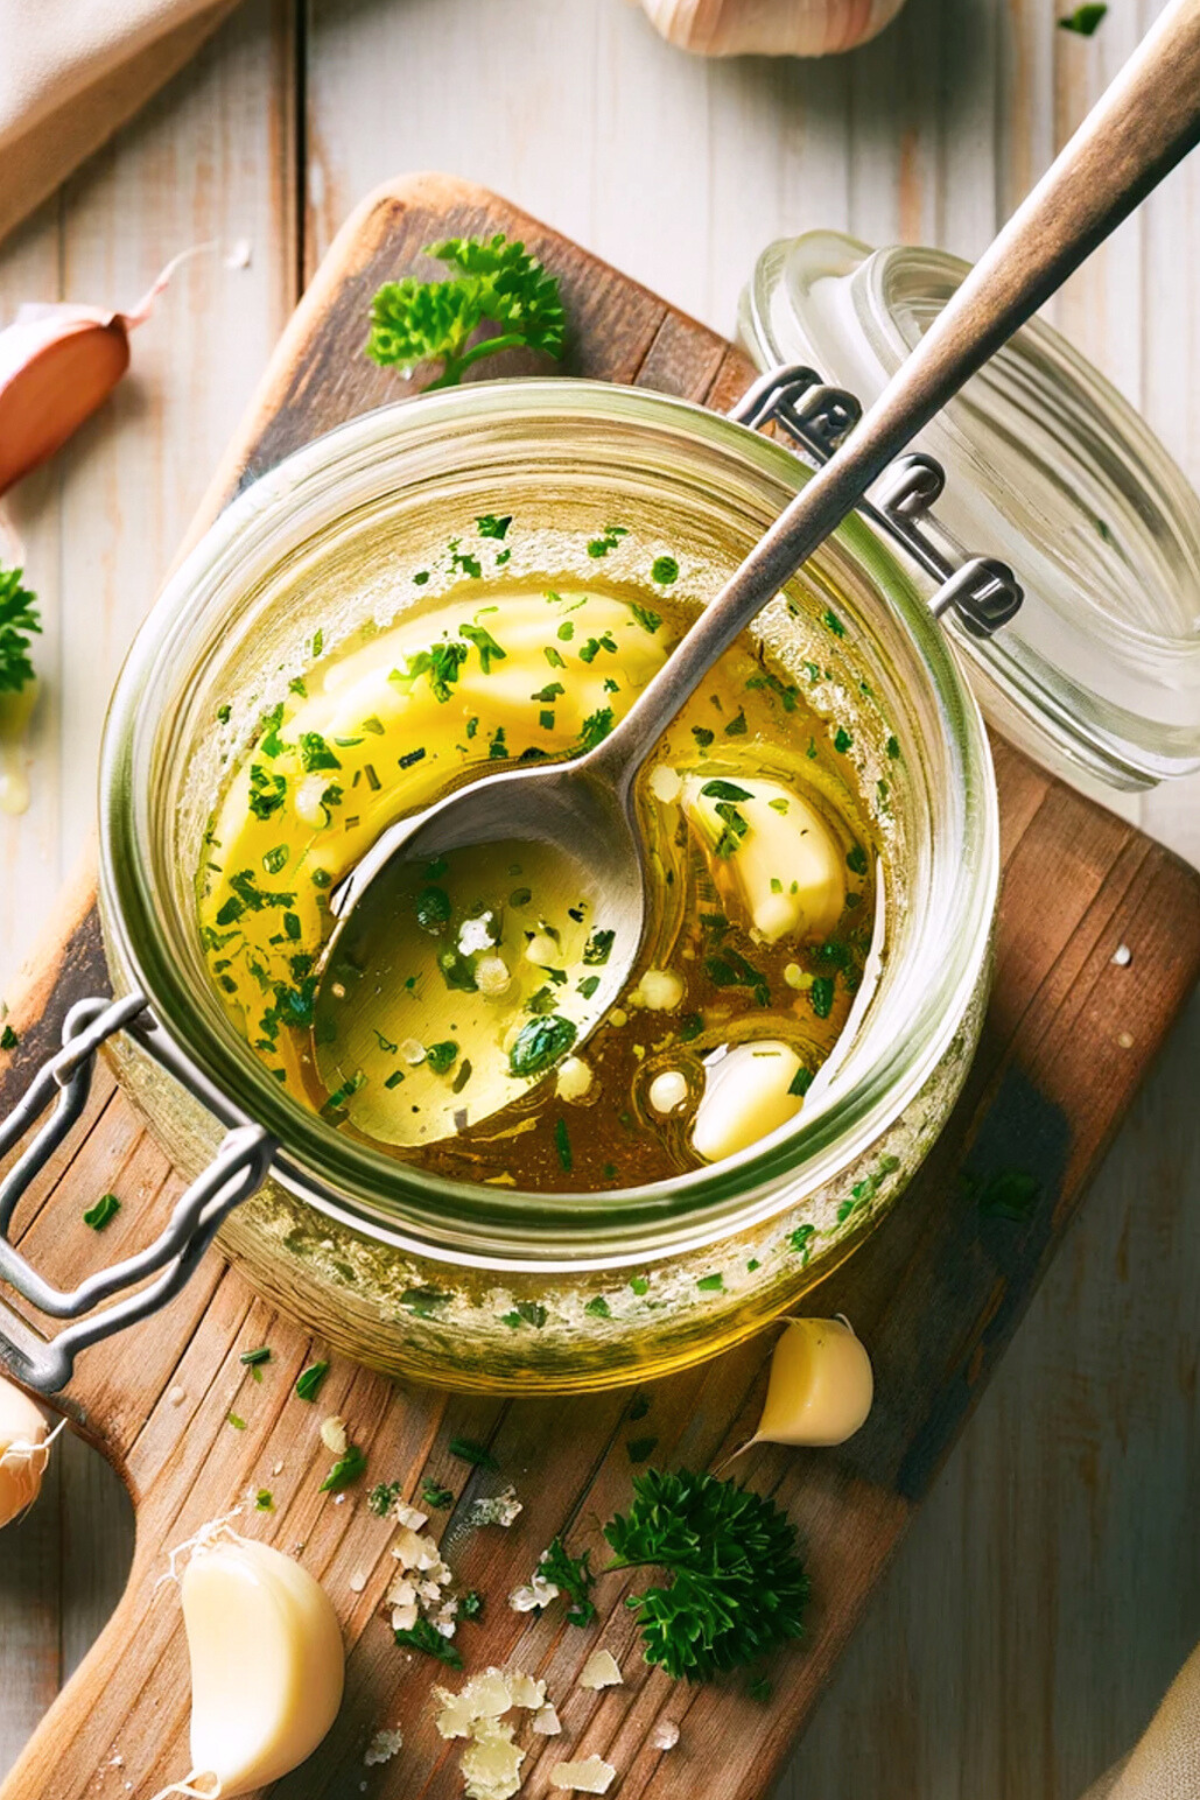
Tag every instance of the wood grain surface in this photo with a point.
(1067, 1040)
(1050, 1584)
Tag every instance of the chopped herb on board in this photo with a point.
(8, 1038)
(492, 282)
(106, 1208)
(382, 1497)
(572, 1576)
(426, 1638)
(435, 1497)
(349, 1467)
(467, 1450)
(1084, 20)
(309, 1383)
(252, 1358)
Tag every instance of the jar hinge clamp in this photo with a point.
(237, 1169)
(982, 591)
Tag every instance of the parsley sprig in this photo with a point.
(18, 618)
(573, 1577)
(736, 1586)
(493, 283)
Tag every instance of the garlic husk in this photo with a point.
(769, 27)
(58, 364)
(24, 1451)
(267, 1662)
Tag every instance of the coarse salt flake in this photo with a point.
(591, 1776)
(600, 1671)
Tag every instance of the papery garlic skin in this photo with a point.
(821, 1385)
(769, 27)
(268, 1666)
(23, 1451)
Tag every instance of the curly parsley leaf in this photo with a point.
(572, 1576)
(736, 1587)
(492, 283)
(18, 618)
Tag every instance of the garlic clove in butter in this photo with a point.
(748, 1093)
(773, 858)
(267, 1662)
(24, 1451)
(821, 1386)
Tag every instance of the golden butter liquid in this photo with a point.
(476, 1037)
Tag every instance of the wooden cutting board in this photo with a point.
(936, 1294)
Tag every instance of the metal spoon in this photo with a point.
(1143, 125)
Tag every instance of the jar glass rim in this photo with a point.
(348, 1178)
(1047, 467)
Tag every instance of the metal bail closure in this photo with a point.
(983, 592)
(236, 1171)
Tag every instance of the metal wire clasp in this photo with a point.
(983, 591)
(238, 1168)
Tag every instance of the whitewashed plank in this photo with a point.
(211, 158)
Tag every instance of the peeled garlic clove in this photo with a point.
(786, 875)
(24, 1452)
(747, 1095)
(769, 27)
(267, 1662)
(821, 1385)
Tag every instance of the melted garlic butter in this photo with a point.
(454, 1042)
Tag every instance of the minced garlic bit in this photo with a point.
(665, 783)
(600, 1671)
(497, 1509)
(333, 1434)
(547, 1723)
(383, 1746)
(659, 990)
(668, 1091)
(574, 1078)
(492, 976)
(491, 1763)
(542, 951)
(591, 1776)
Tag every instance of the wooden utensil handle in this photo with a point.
(1141, 127)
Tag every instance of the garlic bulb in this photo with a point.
(769, 27)
(24, 1451)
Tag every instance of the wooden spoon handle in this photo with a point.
(1141, 127)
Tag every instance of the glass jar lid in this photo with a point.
(1047, 469)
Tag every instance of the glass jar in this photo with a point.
(1049, 469)
(483, 1287)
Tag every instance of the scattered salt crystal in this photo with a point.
(665, 1735)
(177, 1396)
(383, 1746)
(591, 1776)
(358, 1581)
(277, 1468)
(600, 1671)
(666, 784)
(333, 1434)
(239, 253)
(1122, 956)
(499, 1509)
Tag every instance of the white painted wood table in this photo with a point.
(1052, 1583)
